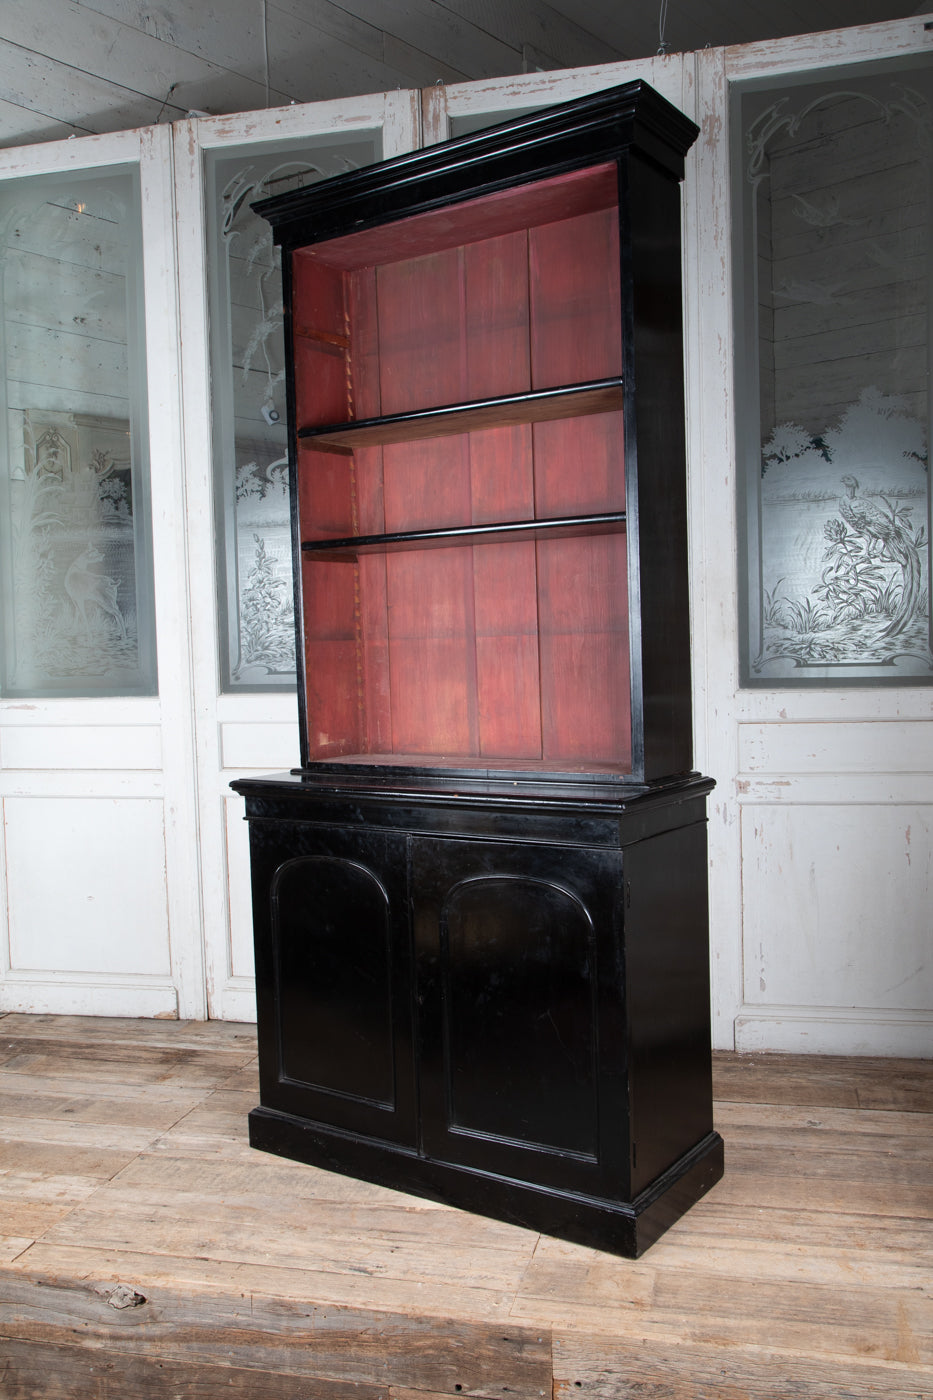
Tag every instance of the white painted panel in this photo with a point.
(804, 52)
(842, 748)
(81, 746)
(837, 789)
(76, 995)
(115, 784)
(266, 746)
(74, 153)
(836, 705)
(106, 710)
(497, 97)
(837, 908)
(86, 885)
(828, 1031)
(271, 707)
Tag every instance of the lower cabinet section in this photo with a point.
(498, 1004)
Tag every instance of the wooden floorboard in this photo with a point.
(147, 1251)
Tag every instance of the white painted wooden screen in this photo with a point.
(98, 794)
(820, 831)
(123, 863)
(820, 826)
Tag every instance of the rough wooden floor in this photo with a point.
(807, 1272)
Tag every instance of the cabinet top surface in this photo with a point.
(493, 789)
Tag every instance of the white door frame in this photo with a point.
(848, 751)
(118, 751)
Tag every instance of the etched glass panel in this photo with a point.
(833, 185)
(76, 557)
(248, 399)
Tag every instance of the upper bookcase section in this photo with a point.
(485, 388)
(599, 128)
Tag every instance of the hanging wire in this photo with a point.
(663, 47)
(265, 44)
(165, 103)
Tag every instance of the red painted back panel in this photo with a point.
(503, 650)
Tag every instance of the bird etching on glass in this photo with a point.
(86, 587)
(888, 536)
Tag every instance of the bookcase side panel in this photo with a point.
(655, 442)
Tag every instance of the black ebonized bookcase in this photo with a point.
(480, 903)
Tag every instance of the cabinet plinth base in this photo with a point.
(626, 1228)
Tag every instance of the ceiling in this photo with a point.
(638, 30)
(72, 67)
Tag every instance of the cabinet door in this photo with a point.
(333, 970)
(520, 1008)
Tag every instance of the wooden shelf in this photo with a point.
(536, 406)
(495, 532)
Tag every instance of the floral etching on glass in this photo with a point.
(247, 327)
(845, 540)
(836, 261)
(74, 559)
(264, 573)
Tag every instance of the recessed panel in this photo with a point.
(518, 965)
(332, 937)
(96, 746)
(86, 885)
(837, 902)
